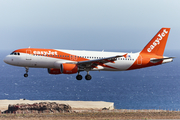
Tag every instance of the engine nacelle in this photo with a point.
(54, 71)
(66, 68)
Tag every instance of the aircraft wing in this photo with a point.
(90, 64)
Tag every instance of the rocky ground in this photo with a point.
(42, 107)
(94, 115)
(56, 111)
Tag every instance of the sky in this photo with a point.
(119, 25)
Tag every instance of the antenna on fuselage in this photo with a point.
(29, 46)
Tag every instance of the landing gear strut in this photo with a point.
(26, 74)
(79, 77)
(88, 77)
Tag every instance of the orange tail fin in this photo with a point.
(157, 43)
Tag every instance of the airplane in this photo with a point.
(58, 61)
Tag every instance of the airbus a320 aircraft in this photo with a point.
(59, 61)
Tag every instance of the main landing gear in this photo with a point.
(87, 77)
(26, 74)
(79, 77)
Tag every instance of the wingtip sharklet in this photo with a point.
(125, 55)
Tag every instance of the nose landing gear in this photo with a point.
(26, 74)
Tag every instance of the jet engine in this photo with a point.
(66, 68)
(54, 71)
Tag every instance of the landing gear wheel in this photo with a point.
(88, 77)
(79, 77)
(25, 75)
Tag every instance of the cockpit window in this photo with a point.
(15, 53)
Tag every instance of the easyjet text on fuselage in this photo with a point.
(45, 52)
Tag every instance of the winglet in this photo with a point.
(157, 43)
(125, 55)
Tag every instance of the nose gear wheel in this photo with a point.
(26, 74)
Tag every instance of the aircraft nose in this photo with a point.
(7, 59)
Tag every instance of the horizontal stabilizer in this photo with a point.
(169, 59)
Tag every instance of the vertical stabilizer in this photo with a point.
(158, 43)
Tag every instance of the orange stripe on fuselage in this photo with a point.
(51, 53)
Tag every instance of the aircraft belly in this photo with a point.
(37, 62)
(43, 62)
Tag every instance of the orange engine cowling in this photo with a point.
(68, 68)
(54, 71)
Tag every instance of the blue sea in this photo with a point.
(155, 87)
